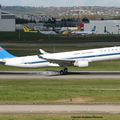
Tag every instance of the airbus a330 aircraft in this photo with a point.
(80, 58)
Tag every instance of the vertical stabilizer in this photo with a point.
(81, 26)
(94, 29)
(4, 54)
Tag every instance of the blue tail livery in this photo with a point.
(4, 54)
(94, 29)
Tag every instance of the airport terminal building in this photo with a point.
(7, 21)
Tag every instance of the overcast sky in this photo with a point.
(37, 3)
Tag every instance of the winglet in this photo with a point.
(42, 51)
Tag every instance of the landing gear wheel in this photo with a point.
(61, 72)
(64, 72)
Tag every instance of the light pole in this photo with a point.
(19, 35)
(118, 26)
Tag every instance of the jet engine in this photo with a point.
(81, 63)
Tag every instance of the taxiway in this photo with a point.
(59, 109)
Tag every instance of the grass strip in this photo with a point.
(60, 117)
(59, 91)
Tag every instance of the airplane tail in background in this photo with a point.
(4, 54)
(26, 29)
(81, 26)
(94, 29)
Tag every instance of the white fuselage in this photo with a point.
(91, 55)
(28, 62)
(82, 32)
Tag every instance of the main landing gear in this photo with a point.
(64, 71)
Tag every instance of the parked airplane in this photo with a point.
(69, 30)
(80, 58)
(84, 32)
(27, 29)
(50, 32)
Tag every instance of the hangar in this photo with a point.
(104, 26)
(7, 21)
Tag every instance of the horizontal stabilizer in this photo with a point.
(2, 62)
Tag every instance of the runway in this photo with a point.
(55, 75)
(59, 109)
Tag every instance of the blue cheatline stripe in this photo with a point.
(91, 56)
(35, 62)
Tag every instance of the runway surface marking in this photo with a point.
(47, 109)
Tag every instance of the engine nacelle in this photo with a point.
(81, 63)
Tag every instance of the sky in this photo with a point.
(58, 3)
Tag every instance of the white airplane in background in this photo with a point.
(48, 32)
(80, 58)
(93, 31)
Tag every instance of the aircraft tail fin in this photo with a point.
(81, 26)
(26, 29)
(4, 54)
(93, 29)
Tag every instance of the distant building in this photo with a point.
(7, 21)
(37, 18)
(104, 26)
(36, 26)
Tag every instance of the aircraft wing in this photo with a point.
(67, 62)
(61, 62)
